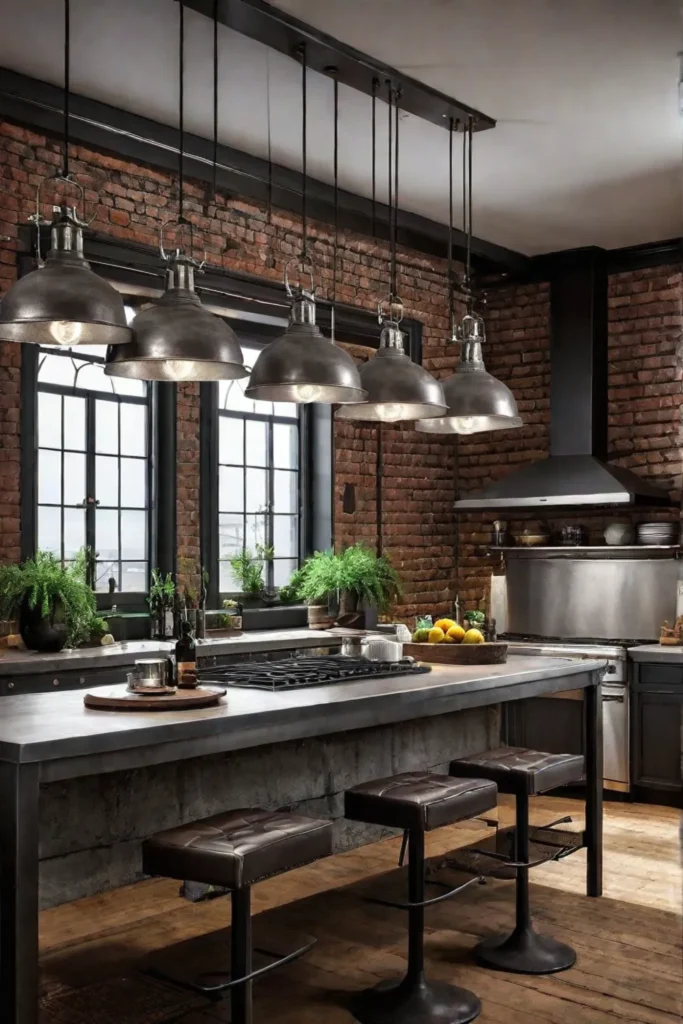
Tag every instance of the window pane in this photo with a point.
(285, 446)
(230, 489)
(56, 370)
(74, 531)
(49, 420)
(256, 532)
(107, 427)
(133, 429)
(134, 577)
(231, 396)
(134, 483)
(49, 477)
(104, 571)
(74, 423)
(74, 478)
(256, 490)
(282, 570)
(124, 386)
(107, 480)
(50, 529)
(226, 580)
(286, 536)
(107, 534)
(230, 535)
(285, 487)
(91, 377)
(230, 440)
(256, 444)
(133, 535)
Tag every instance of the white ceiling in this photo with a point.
(588, 146)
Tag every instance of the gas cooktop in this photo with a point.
(292, 673)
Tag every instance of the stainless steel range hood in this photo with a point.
(577, 471)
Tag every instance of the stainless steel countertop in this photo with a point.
(14, 662)
(657, 652)
(47, 727)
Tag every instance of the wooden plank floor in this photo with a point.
(630, 957)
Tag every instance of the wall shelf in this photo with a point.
(591, 551)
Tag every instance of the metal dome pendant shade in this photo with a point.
(177, 339)
(477, 401)
(64, 302)
(398, 388)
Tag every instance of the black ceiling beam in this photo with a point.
(282, 32)
(132, 137)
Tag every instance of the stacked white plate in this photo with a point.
(657, 533)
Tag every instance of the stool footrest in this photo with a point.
(211, 991)
(395, 905)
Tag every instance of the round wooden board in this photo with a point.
(119, 698)
(459, 654)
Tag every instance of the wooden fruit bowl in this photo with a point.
(458, 654)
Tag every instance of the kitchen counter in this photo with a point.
(81, 789)
(16, 662)
(657, 652)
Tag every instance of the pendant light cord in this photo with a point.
(215, 98)
(67, 83)
(467, 206)
(375, 87)
(335, 250)
(304, 154)
(393, 158)
(451, 132)
(181, 107)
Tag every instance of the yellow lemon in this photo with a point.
(473, 636)
(436, 635)
(447, 639)
(456, 633)
(444, 624)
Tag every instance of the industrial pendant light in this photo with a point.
(63, 302)
(302, 365)
(477, 401)
(177, 339)
(398, 389)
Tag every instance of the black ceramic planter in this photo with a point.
(39, 633)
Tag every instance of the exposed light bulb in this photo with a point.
(66, 332)
(307, 392)
(390, 411)
(181, 369)
(469, 424)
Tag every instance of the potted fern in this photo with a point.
(357, 579)
(247, 570)
(53, 603)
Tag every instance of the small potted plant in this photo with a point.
(357, 579)
(247, 570)
(53, 603)
(160, 600)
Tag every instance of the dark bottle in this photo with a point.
(186, 658)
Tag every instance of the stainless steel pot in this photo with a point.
(151, 674)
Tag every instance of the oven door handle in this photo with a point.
(614, 699)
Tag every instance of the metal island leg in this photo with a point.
(593, 836)
(19, 789)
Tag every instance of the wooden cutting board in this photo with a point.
(119, 698)
(458, 654)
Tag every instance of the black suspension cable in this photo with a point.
(67, 82)
(304, 152)
(215, 97)
(470, 133)
(390, 200)
(181, 106)
(375, 86)
(464, 196)
(270, 143)
(335, 250)
(394, 272)
(451, 132)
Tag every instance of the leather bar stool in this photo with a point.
(233, 851)
(417, 802)
(523, 773)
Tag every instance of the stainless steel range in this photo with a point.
(615, 692)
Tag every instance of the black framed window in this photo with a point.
(93, 476)
(259, 480)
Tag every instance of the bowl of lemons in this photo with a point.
(447, 642)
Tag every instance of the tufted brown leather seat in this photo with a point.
(419, 800)
(515, 769)
(238, 847)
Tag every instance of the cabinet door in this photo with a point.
(658, 718)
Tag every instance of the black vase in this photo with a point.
(43, 633)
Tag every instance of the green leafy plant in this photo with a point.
(161, 591)
(476, 617)
(58, 592)
(247, 569)
(289, 593)
(98, 626)
(357, 573)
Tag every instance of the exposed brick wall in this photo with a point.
(130, 202)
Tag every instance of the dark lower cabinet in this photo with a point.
(656, 727)
(546, 723)
(46, 682)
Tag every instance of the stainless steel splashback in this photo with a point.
(605, 598)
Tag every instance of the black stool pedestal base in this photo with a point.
(415, 1003)
(525, 952)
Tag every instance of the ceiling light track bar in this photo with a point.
(280, 31)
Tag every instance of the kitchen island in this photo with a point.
(49, 742)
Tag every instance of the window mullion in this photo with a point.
(90, 506)
(270, 498)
